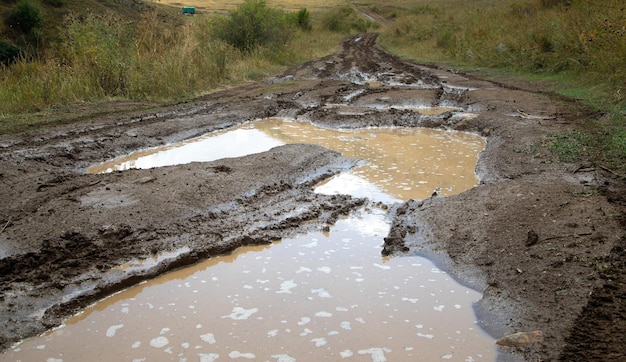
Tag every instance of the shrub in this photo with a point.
(55, 3)
(346, 20)
(251, 25)
(337, 20)
(8, 52)
(303, 19)
(25, 17)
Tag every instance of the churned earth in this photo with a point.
(545, 240)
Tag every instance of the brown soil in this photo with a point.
(543, 240)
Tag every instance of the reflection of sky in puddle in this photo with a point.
(235, 143)
(322, 296)
(402, 162)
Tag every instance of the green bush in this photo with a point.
(8, 52)
(25, 17)
(303, 20)
(251, 25)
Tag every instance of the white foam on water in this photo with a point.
(423, 335)
(54, 360)
(135, 345)
(208, 338)
(208, 357)
(310, 245)
(324, 269)
(319, 342)
(306, 332)
(239, 313)
(346, 325)
(159, 342)
(272, 333)
(286, 286)
(283, 358)
(323, 314)
(378, 354)
(113, 329)
(304, 321)
(237, 354)
(321, 292)
(346, 353)
(303, 269)
(383, 267)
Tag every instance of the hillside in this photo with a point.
(54, 12)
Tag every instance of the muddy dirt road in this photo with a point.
(545, 240)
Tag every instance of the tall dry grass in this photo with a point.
(102, 57)
(578, 44)
(581, 38)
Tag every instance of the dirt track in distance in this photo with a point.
(544, 241)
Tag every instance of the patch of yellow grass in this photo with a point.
(219, 6)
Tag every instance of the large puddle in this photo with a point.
(402, 162)
(320, 296)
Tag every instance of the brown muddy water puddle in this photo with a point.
(319, 296)
(402, 162)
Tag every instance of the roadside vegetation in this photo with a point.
(103, 56)
(59, 53)
(577, 45)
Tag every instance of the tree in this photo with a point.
(25, 17)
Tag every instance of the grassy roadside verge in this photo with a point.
(105, 62)
(577, 46)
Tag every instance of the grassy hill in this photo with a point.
(54, 12)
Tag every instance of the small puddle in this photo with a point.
(320, 296)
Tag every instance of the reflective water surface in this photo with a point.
(403, 162)
(320, 296)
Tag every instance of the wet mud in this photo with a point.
(544, 241)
